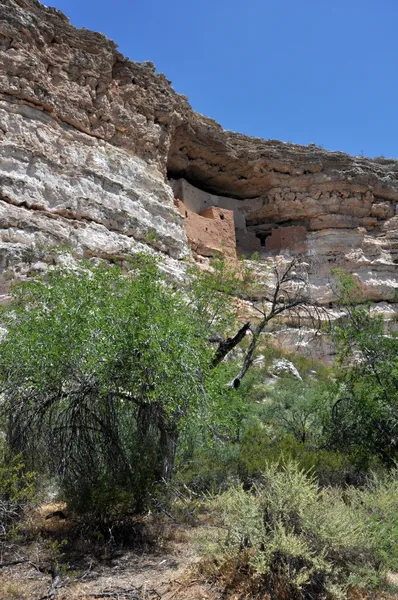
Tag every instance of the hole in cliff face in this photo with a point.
(222, 217)
(262, 237)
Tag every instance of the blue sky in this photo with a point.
(302, 71)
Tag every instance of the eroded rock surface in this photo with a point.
(79, 167)
(89, 141)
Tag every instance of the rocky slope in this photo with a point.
(89, 139)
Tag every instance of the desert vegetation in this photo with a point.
(128, 403)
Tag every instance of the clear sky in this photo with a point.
(302, 71)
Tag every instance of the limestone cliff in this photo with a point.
(84, 138)
(89, 142)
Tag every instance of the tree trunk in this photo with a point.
(152, 417)
(167, 450)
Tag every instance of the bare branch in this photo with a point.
(289, 297)
(229, 344)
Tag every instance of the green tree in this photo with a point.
(365, 413)
(299, 408)
(101, 371)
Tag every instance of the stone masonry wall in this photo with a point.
(211, 232)
(287, 238)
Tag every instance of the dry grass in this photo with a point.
(23, 582)
(358, 594)
(37, 523)
(88, 566)
(172, 568)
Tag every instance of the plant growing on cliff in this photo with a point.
(101, 370)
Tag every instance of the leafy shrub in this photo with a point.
(211, 469)
(104, 371)
(299, 408)
(378, 502)
(17, 488)
(286, 536)
(258, 448)
(364, 414)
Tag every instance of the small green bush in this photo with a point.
(378, 502)
(258, 448)
(211, 469)
(286, 533)
(17, 489)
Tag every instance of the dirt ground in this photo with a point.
(38, 567)
(130, 577)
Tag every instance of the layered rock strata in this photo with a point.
(80, 165)
(91, 143)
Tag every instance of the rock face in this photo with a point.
(80, 164)
(90, 141)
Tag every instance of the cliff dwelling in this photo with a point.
(217, 224)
